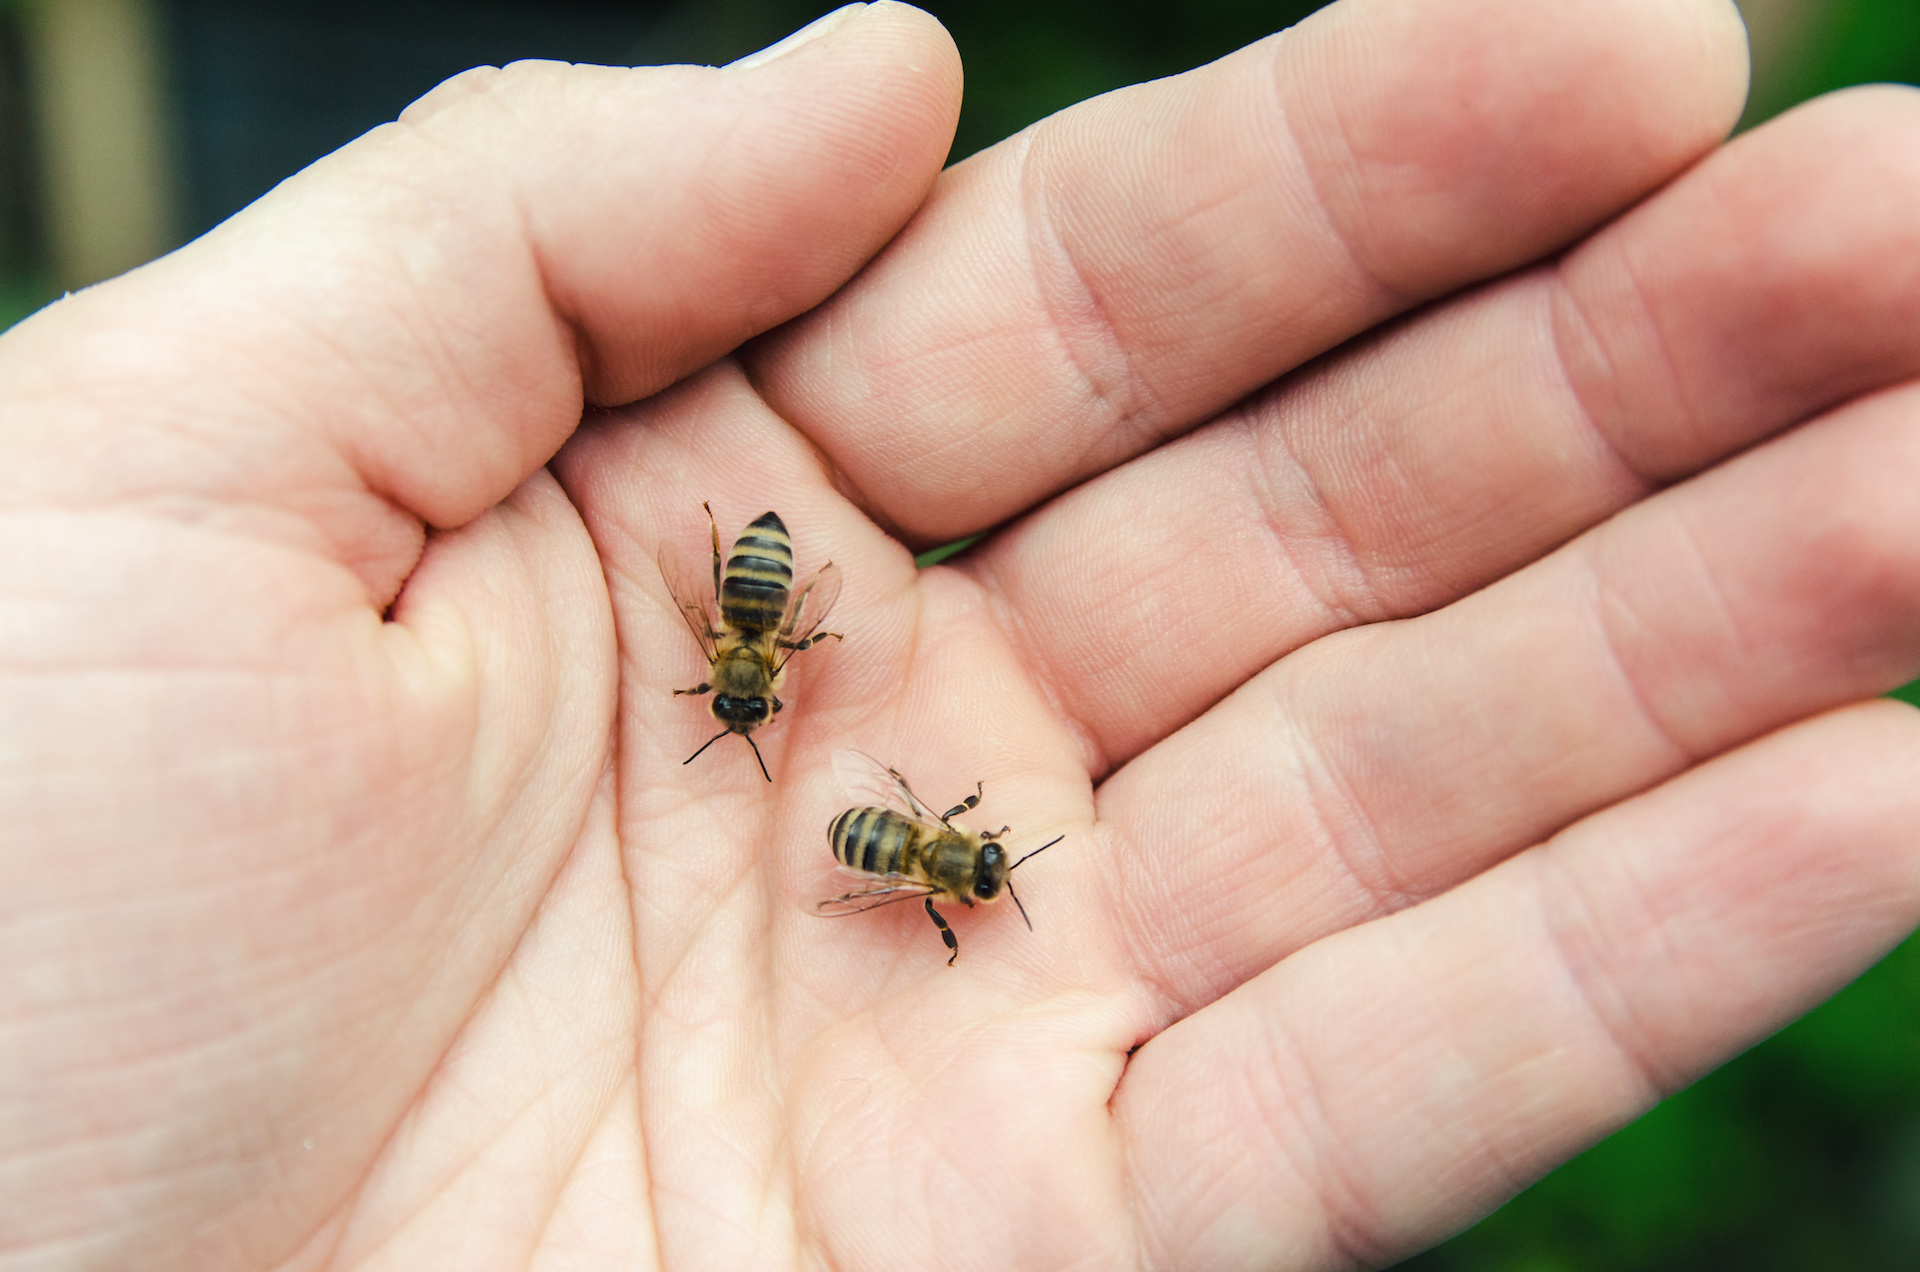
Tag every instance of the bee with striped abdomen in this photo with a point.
(909, 852)
(763, 623)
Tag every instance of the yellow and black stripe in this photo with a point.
(759, 577)
(874, 840)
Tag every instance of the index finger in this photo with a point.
(1129, 267)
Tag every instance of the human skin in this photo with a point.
(1448, 515)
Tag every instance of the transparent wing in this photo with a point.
(876, 893)
(867, 781)
(691, 597)
(808, 609)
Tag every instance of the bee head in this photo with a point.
(992, 874)
(741, 715)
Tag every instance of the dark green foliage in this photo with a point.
(1843, 42)
(22, 287)
(1025, 61)
(939, 554)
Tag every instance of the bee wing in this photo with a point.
(809, 607)
(690, 598)
(868, 782)
(876, 893)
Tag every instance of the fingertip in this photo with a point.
(676, 211)
(1572, 113)
(1710, 52)
(813, 30)
(1864, 114)
(1876, 741)
(831, 144)
(1777, 279)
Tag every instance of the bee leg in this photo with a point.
(796, 609)
(971, 801)
(809, 642)
(946, 933)
(895, 775)
(715, 528)
(777, 704)
(696, 690)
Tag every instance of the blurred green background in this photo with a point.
(129, 126)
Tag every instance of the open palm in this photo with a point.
(1441, 684)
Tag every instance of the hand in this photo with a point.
(1451, 738)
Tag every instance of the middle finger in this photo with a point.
(1129, 267)
(1401, 475)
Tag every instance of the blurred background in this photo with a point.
(130, 126)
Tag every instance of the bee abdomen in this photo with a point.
(873, 840)
(759, 576)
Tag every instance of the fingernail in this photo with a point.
(812, 31)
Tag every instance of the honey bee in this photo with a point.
(910, 852)
(763, 624)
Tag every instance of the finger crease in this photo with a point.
(1394, 299)
(1089, 337)
(1322, 1164)
(1325, 786)
(1042, 676)
(1571, 312)
(1281, 516)
(1572, 915)
(1612, 610)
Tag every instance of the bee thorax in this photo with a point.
(953, 865)
(742, 673)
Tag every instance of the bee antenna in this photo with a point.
(704, 745)
(1030, 856)
(756, 755)
(1016, 895)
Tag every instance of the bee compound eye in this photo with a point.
(757, 705)
(992, 873)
